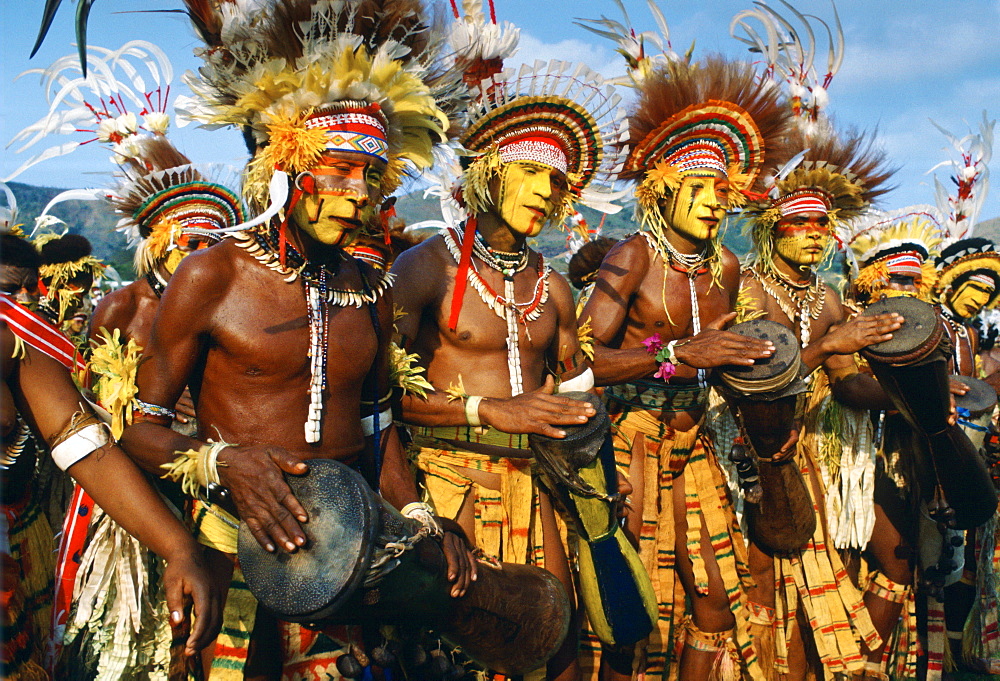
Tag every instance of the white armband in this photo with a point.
(384, 421)
(80, 444)
(580, 383)
(424, 514)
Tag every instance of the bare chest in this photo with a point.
(668, 301)
(494, 309)
(266, 333)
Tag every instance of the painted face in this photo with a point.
(184, 245)
(902, 286)
(801, 239)
(336, 194)
(969, 298)
(698, 206)
(527, 195)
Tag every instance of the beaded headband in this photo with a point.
(810, 200)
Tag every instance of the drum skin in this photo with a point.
(912, 368)
(511, 620)
(980, 403)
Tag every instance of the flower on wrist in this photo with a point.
(663, 353)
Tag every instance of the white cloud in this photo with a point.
(596, 56)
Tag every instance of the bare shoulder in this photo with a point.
(730, 267)
(208, 271)
(561, 293)
(419, 271)
(632, 251)
(115, 308)
(833, 303)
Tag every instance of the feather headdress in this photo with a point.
(161, 194)
(123, 97)
(633, 45)
(970, 177)
(714, 115)
(789, 59)
(158, 191)
(304, 76)
(838, 176)
(966, 259)
(881, 244)
(557, 113)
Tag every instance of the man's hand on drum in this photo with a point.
(538, 411)
(955, 387)
(264, 501)
(187, 583)
(461, 563)
(860, 332)
(714, 347)
(788, 448)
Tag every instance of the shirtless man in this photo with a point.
(497, 328)
(657, 310)
(792, 235)
(280, 335)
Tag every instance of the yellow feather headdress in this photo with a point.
(273, 67)
(878, 239)
(964, 258)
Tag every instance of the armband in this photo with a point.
(83, 435)
(472, 410)
(198, 468)
(153, 413)
(384, 421)
(423, 514)
(579, 383)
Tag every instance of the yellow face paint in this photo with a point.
(969, 298)
(528, 195)
(802, 239)
(345, 186)
(698, 206)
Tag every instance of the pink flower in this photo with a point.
(653, 344)
(665, 371)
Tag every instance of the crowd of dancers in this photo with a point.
(310, 441)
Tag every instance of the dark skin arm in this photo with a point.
(180, 336)
(397, 484)
(45, 396)
(618, 282)
(534, 411)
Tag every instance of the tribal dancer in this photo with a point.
(831, 179)
(286, 350)
(699, 135)
(492, 323)
(892, 254)
(968, 283)
(40, 400)
(67, 273)
(158, 193)
(792, 233)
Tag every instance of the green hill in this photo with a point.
(96, 221)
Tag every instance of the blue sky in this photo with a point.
(906, 61)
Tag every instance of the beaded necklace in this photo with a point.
(691, 265)
(801, 310)
(13, 448)
(156, 283)
(262, 245)
(505, 306)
